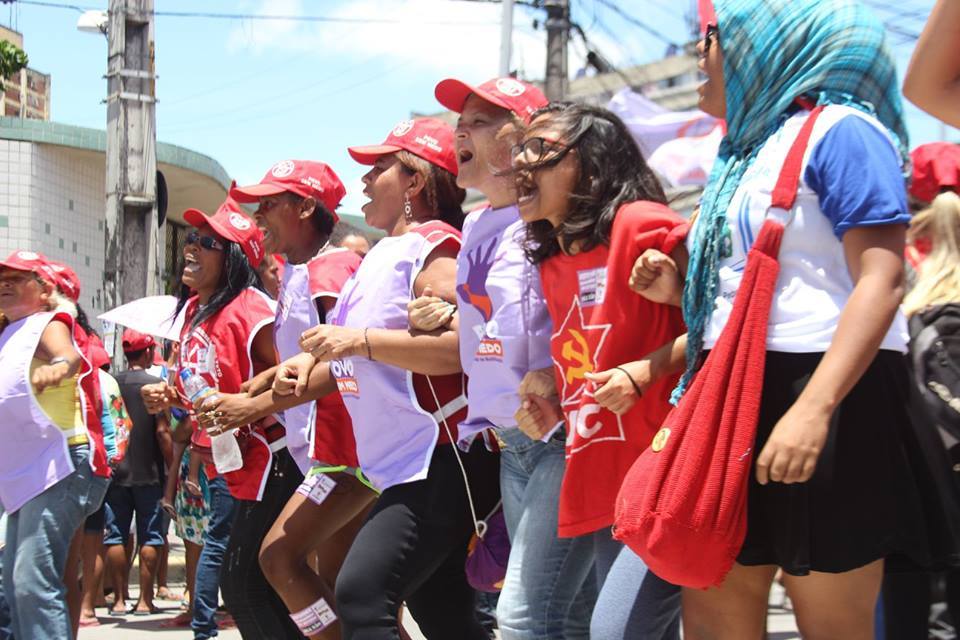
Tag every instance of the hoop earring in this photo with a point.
(407, 209)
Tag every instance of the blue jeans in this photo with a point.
(633, 603)
(550, 589)
(6, 633)
(38, 539)
(206, 598)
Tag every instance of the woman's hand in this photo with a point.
(49, 375)
(613, 389)
(259, 383)
(791, 452)
(293, 374)
(327, 342)
(158, 397)
(537, 416)
(428, 312)
(656, 277)
(539, 410)
(226, 411)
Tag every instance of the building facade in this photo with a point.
(27, 93)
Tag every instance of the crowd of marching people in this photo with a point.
(570, 413)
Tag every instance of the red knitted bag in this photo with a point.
(682, 507)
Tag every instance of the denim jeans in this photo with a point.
(206, 598)
(634, 604)
(6, 633)
(38, 539)
(550, 588)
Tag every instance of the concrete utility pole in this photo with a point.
(558, 33)
(132, 236)
(506, 38)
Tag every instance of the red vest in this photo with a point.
(220, 350)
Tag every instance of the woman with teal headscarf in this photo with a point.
(835, 492)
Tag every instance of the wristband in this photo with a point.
(58, 360)
(366, 341)
(636, 387)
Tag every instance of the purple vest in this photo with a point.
(395, 436)
(296, 312)
(34, 455)
(504, 323)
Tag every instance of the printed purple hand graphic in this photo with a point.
(474, 290)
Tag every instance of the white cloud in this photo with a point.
(470, 50)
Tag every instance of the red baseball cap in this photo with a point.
(936, 167)
(231, 223)
(67, 280)
(428, 138)
(33, 262)
(302, 177)
(135, 341)
(708, 15)
(517, 96)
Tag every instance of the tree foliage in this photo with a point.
(12, 59)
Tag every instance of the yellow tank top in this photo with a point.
(61, 404)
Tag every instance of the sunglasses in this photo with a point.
(205, 242)
(713, 33)
(532, 151)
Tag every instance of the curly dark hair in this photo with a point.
(612, 173)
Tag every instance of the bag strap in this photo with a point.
(785, 192)
(479, 526)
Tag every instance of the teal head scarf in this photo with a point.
(775, 51)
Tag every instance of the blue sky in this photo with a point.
(249, 93)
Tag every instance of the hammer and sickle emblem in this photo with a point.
(577, 351)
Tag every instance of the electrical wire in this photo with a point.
(636, 22)
(267, 17)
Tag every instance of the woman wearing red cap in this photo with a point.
(227, 339)
(47, 483)
(404, 391)
(297, 213)
(504, 333)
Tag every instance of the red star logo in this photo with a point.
(576, 358)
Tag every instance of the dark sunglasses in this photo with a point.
(532, 151)
(205, 242)
(713, 33)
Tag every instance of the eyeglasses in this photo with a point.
(532, 151)
(713, 32)
(205, 242)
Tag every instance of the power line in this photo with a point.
(636, 22)
(267, 17)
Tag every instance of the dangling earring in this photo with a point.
(407, 209)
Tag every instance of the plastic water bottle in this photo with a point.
(224, 446)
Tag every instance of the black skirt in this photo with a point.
(882, 487)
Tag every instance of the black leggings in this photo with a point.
(258, 610)
(412, 549)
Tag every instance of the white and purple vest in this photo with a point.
(296, 312)
(395, 435)
(34, 455)
(505, 327)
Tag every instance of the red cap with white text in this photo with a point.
(522, 98)
(427, 138)
(302, 177)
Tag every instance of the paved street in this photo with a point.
(780, 623)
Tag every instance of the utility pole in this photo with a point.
(506, 38)
(132, 234)
(558, 33)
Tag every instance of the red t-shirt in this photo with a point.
(600, 323)
(220, 350)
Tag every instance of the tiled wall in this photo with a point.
(52, 201)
